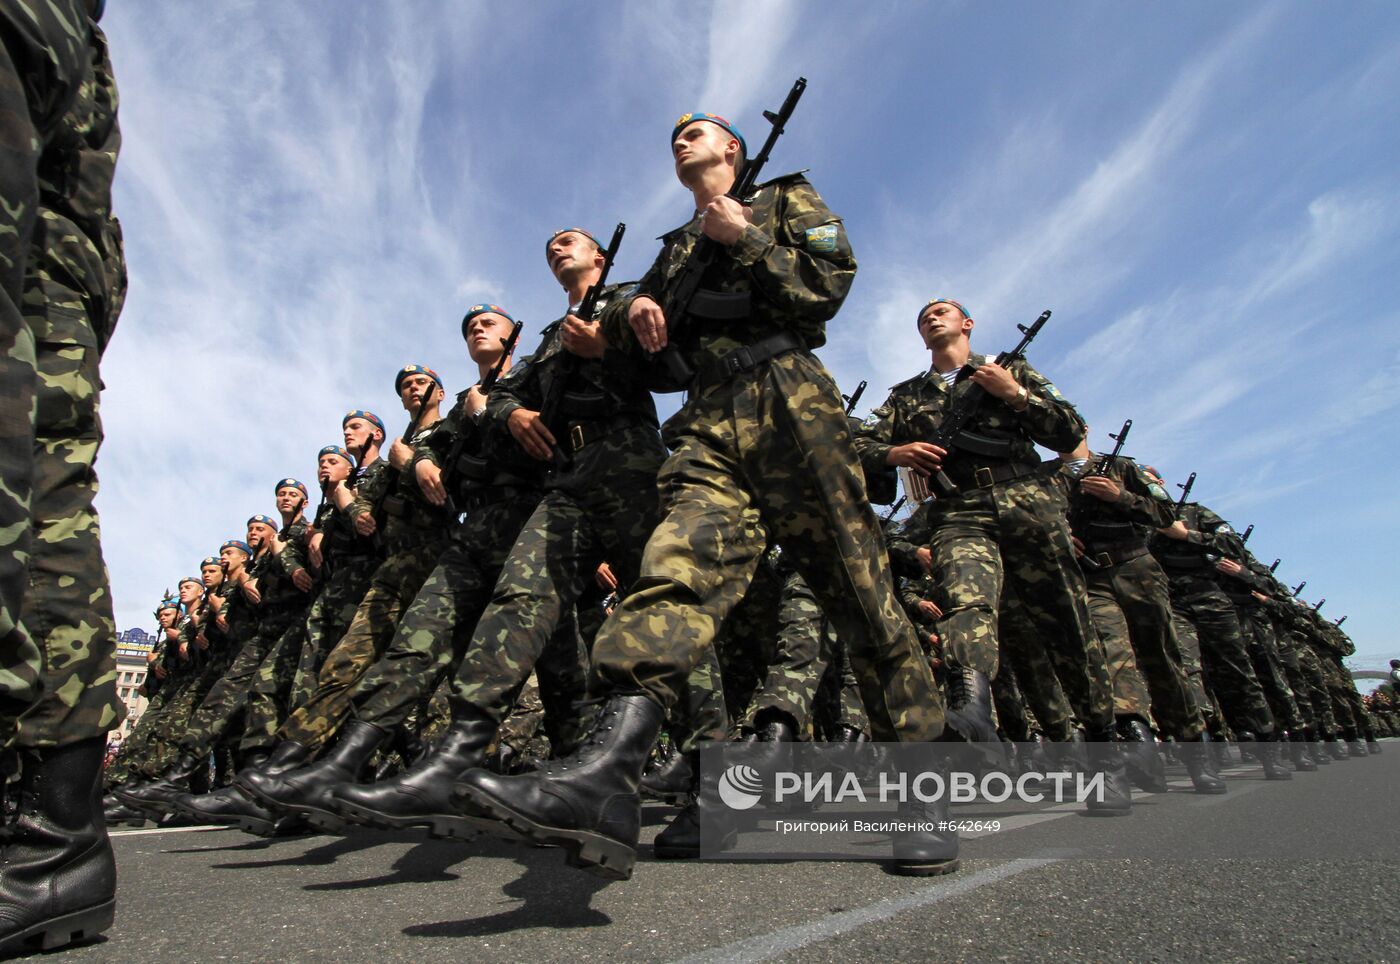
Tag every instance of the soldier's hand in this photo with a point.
(532, 434)
(476, 401)
(302, 579)
(184, 650)
(222, 622)
(1229, 566)
(1259, 595)
(400, 454)
(925, 556)
(724, 219)
(923, 457)
(202, 641)
(365, 524)
(172, 634)
(159, 670)
(216, 602)
(929, 609)
(648, 323)
(1101, 488)
(1177, 530)
(997, 381)
(583, 338)
(604, 578)
(250, 592)
(430, 481)
(1078, 544)
(313, 550)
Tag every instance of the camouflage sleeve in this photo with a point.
(875, 436)
(807, 269)
(433, 445)
(372, 488)
(1050, 420)
(1215, 534)
(1142, 500)
(521, 387)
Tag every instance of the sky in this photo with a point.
(1206, 195)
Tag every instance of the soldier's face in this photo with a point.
(570, 253)
(258, 533)
(701, 145)
(358, 432)
(485, 333)
(943, 322)
(413, 388)
(189, 592)
(167, 617)
(212, 575)
(333, 468)
(232, 559)
(289, 499)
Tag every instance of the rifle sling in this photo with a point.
(744, 359)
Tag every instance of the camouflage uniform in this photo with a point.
(1004, 530)
(762, 447)
(1197, 597)
(1129, 600)
(59, 104)
(601, 505)
(414, 534)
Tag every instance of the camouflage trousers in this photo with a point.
(1293, 675)
(225, 701)
(397, 581)
(1131, 608)
(43, 60)
(1340, 689)
(768, 452)
(739, 649)
(837, 702)
(1268, 666)
(590, 514)
(269, 694)
(792, 660)
(1227, 663)
(1040, 668)
(1189, 646)
(163, 745)
(1011, 541)
(329, 620)
(1014, 718)
(1315, 683)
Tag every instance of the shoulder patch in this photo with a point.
(1159, 493)
(822, 239)
(1054, 393)
(870, 421)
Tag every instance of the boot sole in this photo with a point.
(1102, 812)
(62, 931)
(440, 826)
(590, 852)
(935, 868)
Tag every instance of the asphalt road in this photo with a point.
(1304, 870)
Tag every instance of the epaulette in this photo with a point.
(792, 178)
(908, 381)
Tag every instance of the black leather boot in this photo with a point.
(58, 878)
(930, 852)
(419, 796)
(1298, 753)
(154, 799)
(289, 755)
(116, 813)
(1105, 759)
(1145, 767)
(307, 790)
(233, 806)
(1354, 745)
(588, 802)
(846, 733)
(1335, 749)
(1195, 754)
(969, 711)
(1269, 750)
(672, 776)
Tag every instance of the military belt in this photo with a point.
(481, 496)
(413, 514)
(986, 476)
(745, 359)
(586, 433)
(1113, 557)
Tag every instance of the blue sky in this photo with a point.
(1205, 194)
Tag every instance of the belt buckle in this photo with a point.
(739, 360)
(984, 477)
(1103, 560)
(576, 438)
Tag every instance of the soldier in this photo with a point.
(62, 282)
(760, 448)
(1003, 527)
(1114, 509)
(413, 532)
(1182, 549)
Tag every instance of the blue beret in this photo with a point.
(337, 451)
(239, 543)
(686, 120)
(209, 561)
(266, 520)
(367, 416)
(942, 301)
(408, 370)
(291, 484)
(586, 234)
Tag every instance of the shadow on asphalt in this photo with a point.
(326, 853)
(549, 897)
(423, 864)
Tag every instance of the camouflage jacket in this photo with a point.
(397, 502)
(488, 456)
(793, 263)
(1143, 506)
(1208, 538)
(273, 571)
(916, 407)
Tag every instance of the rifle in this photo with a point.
(1299, 588)
(1185, 492)
(1342, 620)
(706, 251)
(894, 508)
(854, 397)
(966, 406)
(1107, 460)
(1274, 567)
(392, 494)
(1319, 603)
(549, 409)
(1247, 533)
(454, 453)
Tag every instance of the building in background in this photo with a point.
(133, 649)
